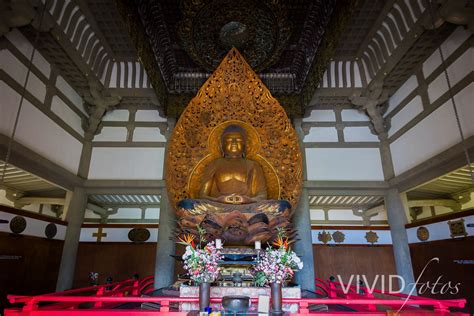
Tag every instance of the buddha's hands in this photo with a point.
(235, 199)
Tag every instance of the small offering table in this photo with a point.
(252, 292)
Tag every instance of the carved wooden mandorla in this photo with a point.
(234, 95)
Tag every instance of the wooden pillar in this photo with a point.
(75, 218)
(164, 264)
(302, 222)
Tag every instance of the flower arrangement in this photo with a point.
(202, 263)
(93, 278)
(277, 264)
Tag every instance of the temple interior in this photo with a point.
(348, 125)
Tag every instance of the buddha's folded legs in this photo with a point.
(201, 206)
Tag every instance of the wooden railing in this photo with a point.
(103, 300)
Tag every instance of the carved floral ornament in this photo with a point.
(372, 237)
(234, 95)
(18, 224)
(138, 235)
(259, 29)
(423, 233)
(324, 237)
(338, 237)
(457, 228)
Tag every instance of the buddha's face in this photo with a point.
(233, 144)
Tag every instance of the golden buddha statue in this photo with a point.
(233, 196)
(233, 164)
(233, 179)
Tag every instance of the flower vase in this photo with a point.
(276, 296)
(204, 295)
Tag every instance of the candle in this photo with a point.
(258, 245)
(218, 243)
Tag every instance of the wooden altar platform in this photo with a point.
(252, 292)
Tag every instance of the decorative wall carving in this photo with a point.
(457, 228)
(50, 230)
(324, 237)
(338, 237)
(18, 224)
(138, 235)
(423, 233)
(372, 237)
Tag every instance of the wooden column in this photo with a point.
(164, 264)
(302, 222)
(75, 218)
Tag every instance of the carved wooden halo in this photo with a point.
(234, 94)
(252, 148)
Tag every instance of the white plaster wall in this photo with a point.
(34, 208)
(440, 210)
(321, 134)
(4, 200)
(359, 134)
(64, 112)
(70, 93)
(382, 216)
(148, 134)
(25, 47)
(86, 234)
(425, 212)
(456, 71)
(42, 135)
(343, 215)
(344, 164)
(434, 134)
(464, 103)
(354, 237)
(34, 227)
(439, 231)
(366, 69)
(111, 134)
(456, 39)
(438, 131)
(402, 92)
(321, 116)
(148, 116)
(354, 115)
(127, 213)
(91, 215)
(15, 69)
(127, 163)
(469, 204)
(114, 234)
(116, 115)
(113, 76)
(325, 80)
(405, 115)
(357, 78)
(316, 214)
(38, 132)
(152, 213)
(8, 107)
(47, 211)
